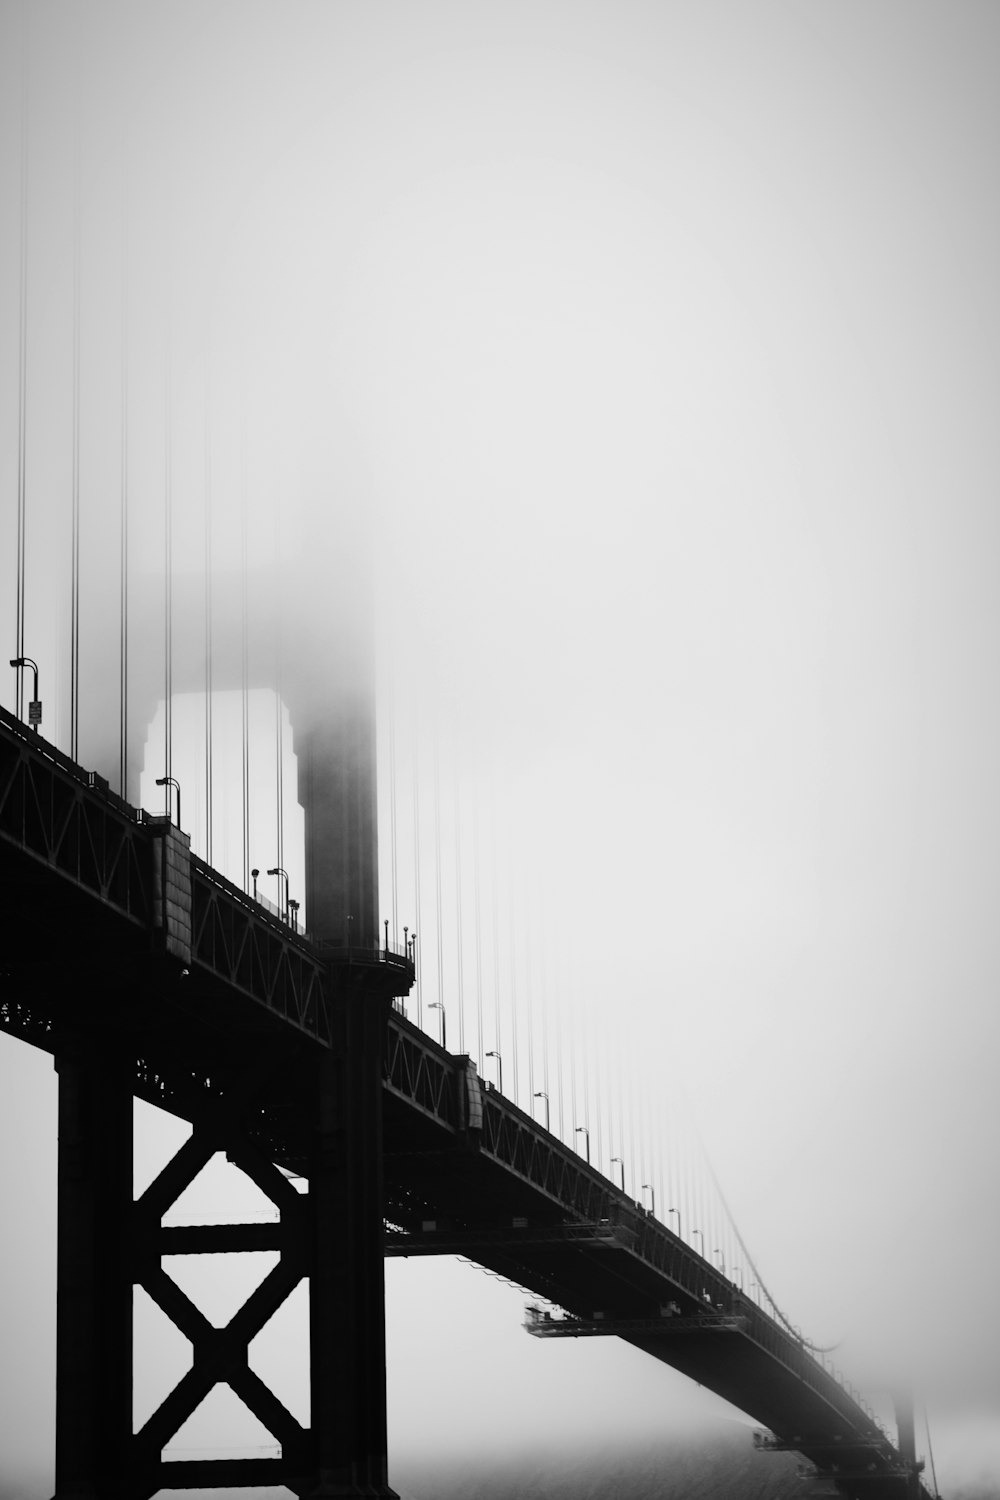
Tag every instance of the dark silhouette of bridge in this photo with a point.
(148, 974)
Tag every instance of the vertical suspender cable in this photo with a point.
(393, 861)
(168, 543)
(22, 370)
(512, 930)
(437, 872)
(244, 652)
(209, 709)
(556, 1004)
(123, 559)
(528, 978)
(416, 866)
(74, 670)
(496, 928)
(279, 746)
(458, 897)
(477, 903)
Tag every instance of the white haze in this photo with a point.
(651, 350)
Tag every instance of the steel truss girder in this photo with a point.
(420, 1072)
(66, 818)
(467, 1241)
(541, 1327)
(236, 940)
(767, 1442)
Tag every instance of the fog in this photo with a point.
(644, 356)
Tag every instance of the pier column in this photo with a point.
(93, 1275)
(347, 1285)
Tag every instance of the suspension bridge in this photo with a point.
(306, 1037)
(147, 974)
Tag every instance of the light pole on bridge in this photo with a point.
(438, 1005)
(622, 1165)
(680, 1232)
(582, 1130)
(278, 870)
(499, 1063)
(171, 781)
(722, 1260)
(35, 706)
(541, 1094)
(648, 1187)
(702, 1238)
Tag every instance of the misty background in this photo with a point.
(647, 354)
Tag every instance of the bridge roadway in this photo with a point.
(113, 927)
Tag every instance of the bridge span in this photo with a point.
(148, 974)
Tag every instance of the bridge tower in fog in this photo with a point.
(179, 989)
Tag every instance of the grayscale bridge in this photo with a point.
(147, 974)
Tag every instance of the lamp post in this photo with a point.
(541, 1094)
(722, 1260)
(293, 908)
(648, 1187)
(582, 1130)
(702, 1238)
(171, 781)
(499, 1062)
(278, 870)
(680, 1232)
(35, 706)
(253, 876)
(437, 1005)
(622, 1165)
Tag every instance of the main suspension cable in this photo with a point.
(778, 1313)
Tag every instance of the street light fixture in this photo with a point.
(35, 706)
(722, 1260)
(278, 870)
(499, 1062)
(680, 1232)
(171, 781)
(622, 1165)
(648, 1186)
(293, 908)
(702, 1238)
(541, 1094)
(253, 875)
(582, 1130)
(437, 1005)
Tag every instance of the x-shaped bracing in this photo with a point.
(220, 1355)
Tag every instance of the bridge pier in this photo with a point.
(93, 1275)
(328, 1102)
(347, 1293)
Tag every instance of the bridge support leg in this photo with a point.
(93, 1276)
(347, 1287)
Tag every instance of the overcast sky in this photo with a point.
(655, 349)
